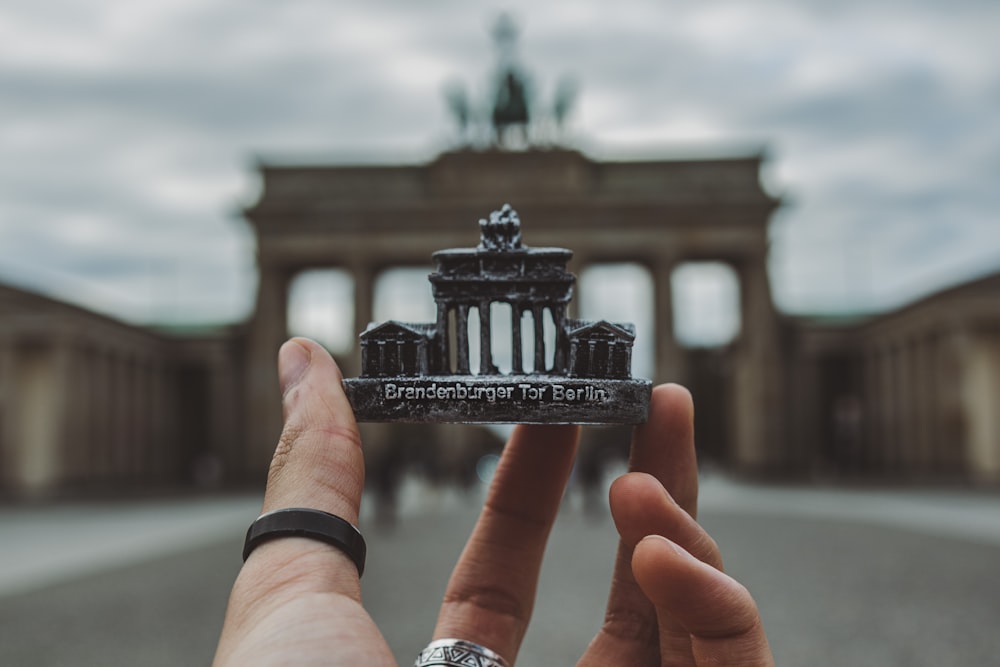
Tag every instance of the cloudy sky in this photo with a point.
(129, 129)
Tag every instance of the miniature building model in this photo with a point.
(395, 348)
(423, 372)
(601, 349)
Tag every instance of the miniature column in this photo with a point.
(381, 358)
(537, 313)
(485, 340)
(559, 319)
(422, 367)
(517, 362)
(462, 338)
(442, 336)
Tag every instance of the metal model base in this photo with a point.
(511, 399)
(562, 370)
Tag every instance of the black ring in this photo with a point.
(301, 522)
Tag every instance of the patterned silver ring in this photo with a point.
(457, 653)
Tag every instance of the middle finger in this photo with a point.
(492, 590)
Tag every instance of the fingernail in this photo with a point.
(293, 360)
(665, 542)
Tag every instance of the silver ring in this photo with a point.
(457, 653)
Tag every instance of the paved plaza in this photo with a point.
(843, 577)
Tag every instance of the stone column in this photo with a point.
(885, 457)
(880, 418)
(938, 397)
(91, 399)
(140, 416)
(158, 421)
(99, 376)
(669, 355)
(872, 410)
(224, 416)
(757, 401)
(924, 409)
(364, 291)
(979, 387)
(122, 415)
(41, 440)
(110, 412)
(66, 412)
(890, 396)
(75, 434)
(7, 412)
(807, 423)
(907, 450)
(267, 332)
(135, 417)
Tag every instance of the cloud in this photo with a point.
(128, 130)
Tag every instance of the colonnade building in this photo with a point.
(89, 404)
(86, 401)
(656, 214)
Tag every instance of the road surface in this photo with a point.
(843, 577)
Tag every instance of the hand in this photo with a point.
(298, 601)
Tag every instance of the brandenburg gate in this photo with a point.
(657, 214)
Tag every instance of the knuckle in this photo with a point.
(630, 624)
(286, 443)
(706, 549)
(526, 518)
(493, 600)
(294, 436)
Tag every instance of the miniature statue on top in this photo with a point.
(422, 372)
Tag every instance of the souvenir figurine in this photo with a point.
(580, 373)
